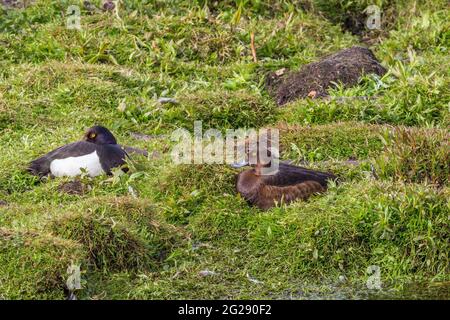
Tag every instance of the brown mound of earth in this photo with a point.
(75, 187)
(313, 80)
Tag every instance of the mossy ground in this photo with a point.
(391, 208)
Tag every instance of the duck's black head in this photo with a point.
(99, 135)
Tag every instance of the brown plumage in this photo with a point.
(288, 184)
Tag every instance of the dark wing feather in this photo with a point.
(111, 156)
(41, 165)
(288, 175)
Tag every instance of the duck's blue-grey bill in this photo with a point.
(239, 164)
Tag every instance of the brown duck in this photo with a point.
(289, 183)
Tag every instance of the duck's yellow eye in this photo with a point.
(92, 135)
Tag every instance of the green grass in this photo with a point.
(387, 139)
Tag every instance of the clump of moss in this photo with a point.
(341, 140)
(111, 246)
(406, 226)
(185, 188)
(34, 264)
(227, 110)
(123, 234)
(416, 155)
(401, 228)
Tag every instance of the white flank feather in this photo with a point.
(72, 166)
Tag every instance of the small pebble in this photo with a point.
(280, 72)
(132, 192)
(251, 279)
(205, 273)
(198, 245)
(164, 100)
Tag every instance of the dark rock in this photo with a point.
(3, 203)
(346, 66)
(131, 150)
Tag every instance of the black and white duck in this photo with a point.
(97, 153)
